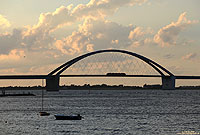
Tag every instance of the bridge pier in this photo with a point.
(52, 83)
(168, 82)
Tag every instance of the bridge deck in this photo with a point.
(187, 77)
(45, 76)
(110, 76)
(23, 76)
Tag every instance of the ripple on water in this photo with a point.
(105, 112)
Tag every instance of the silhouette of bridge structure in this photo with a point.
(53, 78)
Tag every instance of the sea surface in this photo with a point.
(105, 112)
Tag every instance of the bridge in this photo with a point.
(53, 78)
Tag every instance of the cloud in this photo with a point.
(91, 36)
(38, 37)
(189, 56)
(102, 8)
(50, 21)
(95, 9)
(72, 44)
(13, 55)
(90, 47)
(168, 35)
(4, 23)
(37, 40)
(140, 36)
(139, 32)
(11, 41)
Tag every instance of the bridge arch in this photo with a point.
(52, 80)
(160, 69)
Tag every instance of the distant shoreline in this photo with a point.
(99, 87)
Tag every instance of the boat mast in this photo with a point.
(42, 93)
(42, 113)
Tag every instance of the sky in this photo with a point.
(37, 36)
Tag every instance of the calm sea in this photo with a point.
(105, 112)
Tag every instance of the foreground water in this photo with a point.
(105, 112)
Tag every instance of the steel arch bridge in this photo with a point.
(160, 69)
(168, 79)
(53, 78)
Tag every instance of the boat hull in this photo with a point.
(44, 114)
(64, 117)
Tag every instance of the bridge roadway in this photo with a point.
(46, 76)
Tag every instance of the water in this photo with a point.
(105, 112)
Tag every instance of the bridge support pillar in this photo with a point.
(168, 82)
(52, 83)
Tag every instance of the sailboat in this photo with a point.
(43, 113)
